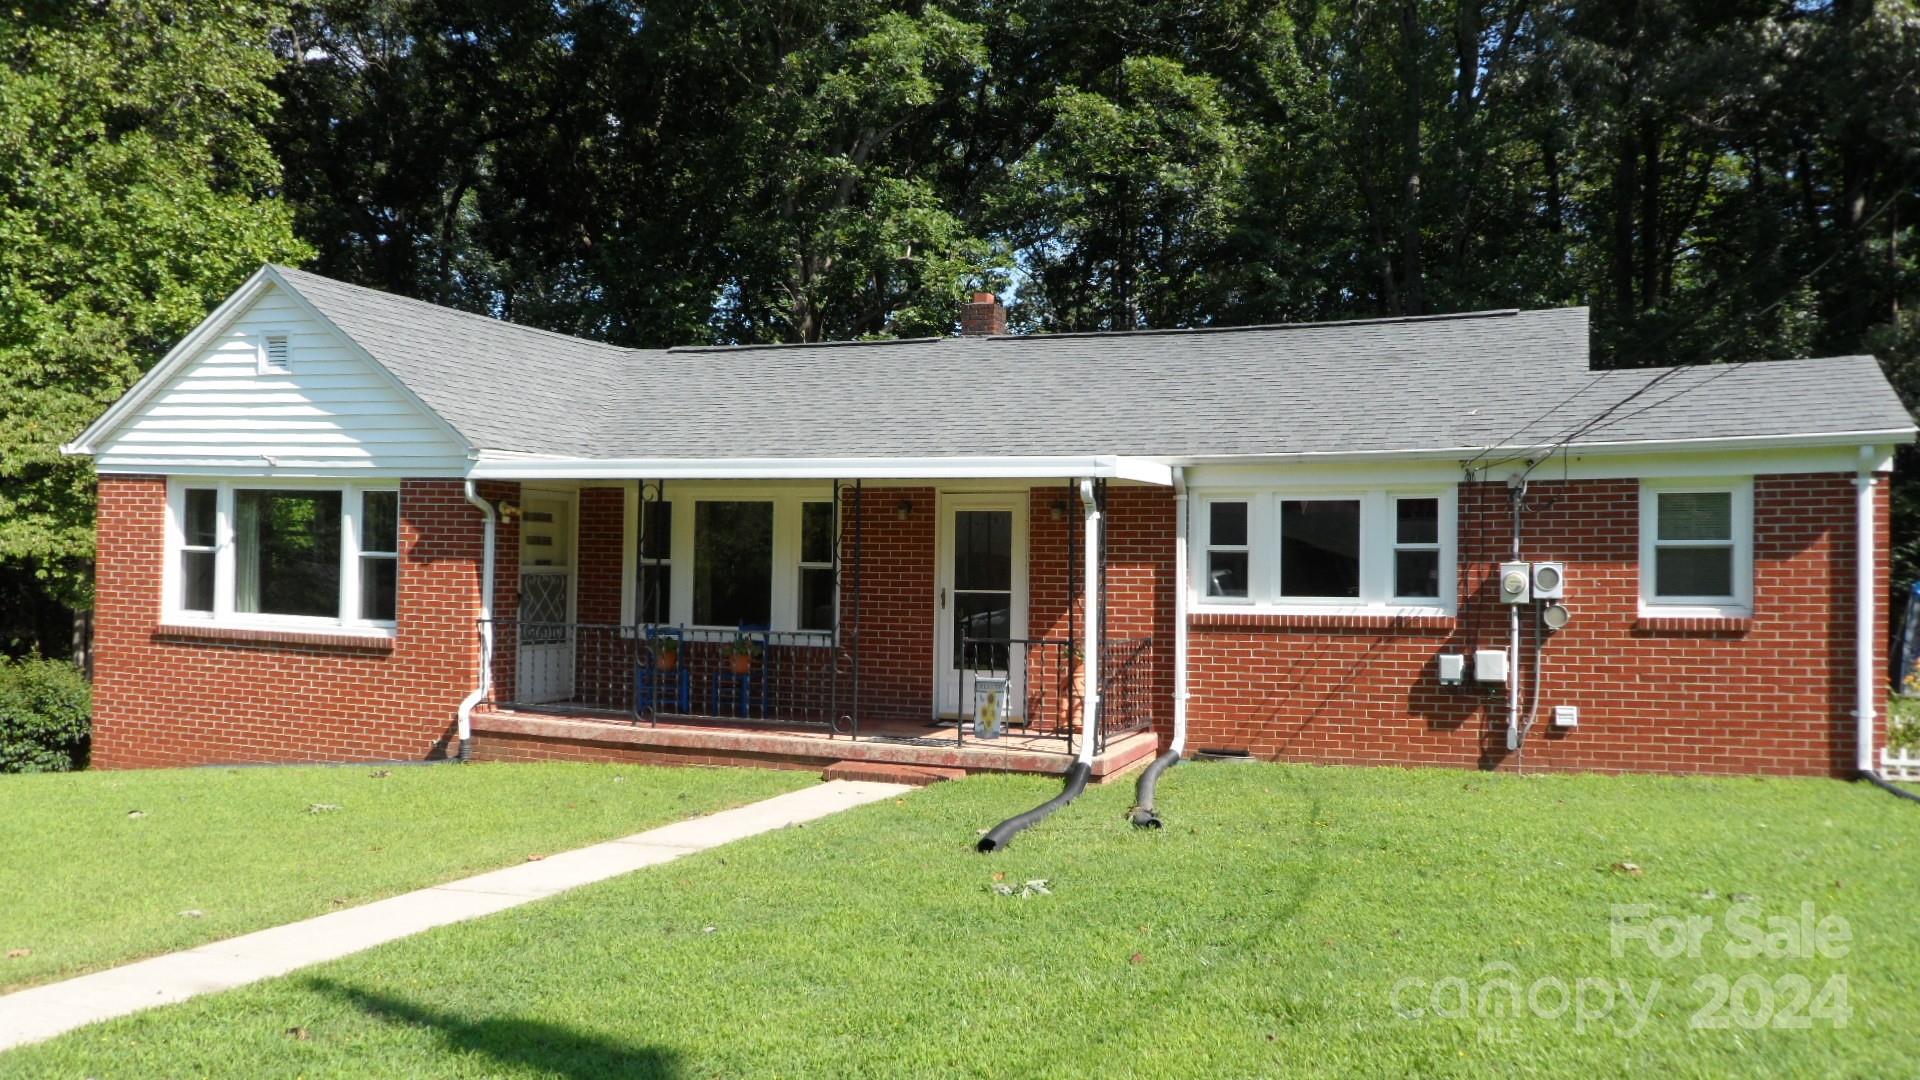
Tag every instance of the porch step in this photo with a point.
(891, 772)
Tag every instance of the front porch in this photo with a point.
(799, 624)
(522, 733)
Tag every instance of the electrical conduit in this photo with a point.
(480, 692)
(998, 837)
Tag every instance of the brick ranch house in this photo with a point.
(340, 525)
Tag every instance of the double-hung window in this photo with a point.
(1385, 551)
(271, 554)
(1696, 547)
(1416, 548)
(655, 576)
(1227, 549)
(817, 595)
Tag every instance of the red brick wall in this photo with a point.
(895, 612)
(603, 656)
(1140, 530)
(165, 699)
(1770, 694)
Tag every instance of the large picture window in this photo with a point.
(1385, 551)
(1320, 547)
(280, 555)
(287, 553)
(733, 563)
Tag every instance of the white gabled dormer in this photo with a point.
(267, 386)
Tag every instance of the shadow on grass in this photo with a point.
(547, 1048)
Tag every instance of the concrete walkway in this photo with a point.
(42, 1012)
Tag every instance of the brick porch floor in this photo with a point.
(522, 733)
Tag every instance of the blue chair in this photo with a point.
(651, 685)
(747, 694)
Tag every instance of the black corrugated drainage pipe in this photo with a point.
(1143, 816)
(1874, 778)
(1001, 835)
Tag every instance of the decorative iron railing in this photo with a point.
(805, 679)
(1043, 681)
(785, 678)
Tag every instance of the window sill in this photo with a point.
(368, 640)
(1694, 622)
(1348, 618)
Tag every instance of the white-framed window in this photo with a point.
(742, 555)
(653, 576)
(1228, 546)
(819, 598)
(274, 353)
(282, 554)
(1311, 551)
(1696, 547)
(1417, 564)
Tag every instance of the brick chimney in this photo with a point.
(983, 316)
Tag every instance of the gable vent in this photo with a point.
(276, 354)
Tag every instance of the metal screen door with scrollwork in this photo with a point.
(546, 592)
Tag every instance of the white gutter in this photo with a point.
(1866, 634)
(1090, 587)
(1489, 455)
(1106, 467)
(1180, 585)
(480, 692)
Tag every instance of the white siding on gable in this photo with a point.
(332, 412)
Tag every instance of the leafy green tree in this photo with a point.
(1121, 210)
(136, 189)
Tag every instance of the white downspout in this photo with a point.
(1865, 633)
(1180, 585)
(486, 623)
(1090, 588)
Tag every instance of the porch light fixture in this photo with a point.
(905, 509)
(1058, 510)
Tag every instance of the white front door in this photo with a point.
(982, 582)
(546, 599)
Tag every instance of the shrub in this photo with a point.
(46, 711)
(1903, 722)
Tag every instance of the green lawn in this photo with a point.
(1265, 930)
(101, 868)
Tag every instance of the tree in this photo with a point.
(136, 189)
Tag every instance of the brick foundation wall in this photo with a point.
(203, 696)
(497, 746)
(1770, 694)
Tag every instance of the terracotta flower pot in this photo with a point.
(742, 663)
(666, 661)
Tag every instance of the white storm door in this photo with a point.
(981, 577)
(546, 599)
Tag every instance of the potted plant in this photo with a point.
(666, 653)
(740, 654)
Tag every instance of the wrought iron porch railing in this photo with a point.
(804, 679)
(1045, 686)
(785, 678)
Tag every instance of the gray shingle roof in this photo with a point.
(1370, 385)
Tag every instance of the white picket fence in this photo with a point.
(1902, 763)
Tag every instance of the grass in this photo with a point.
(101, 868)
(1264, 931)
